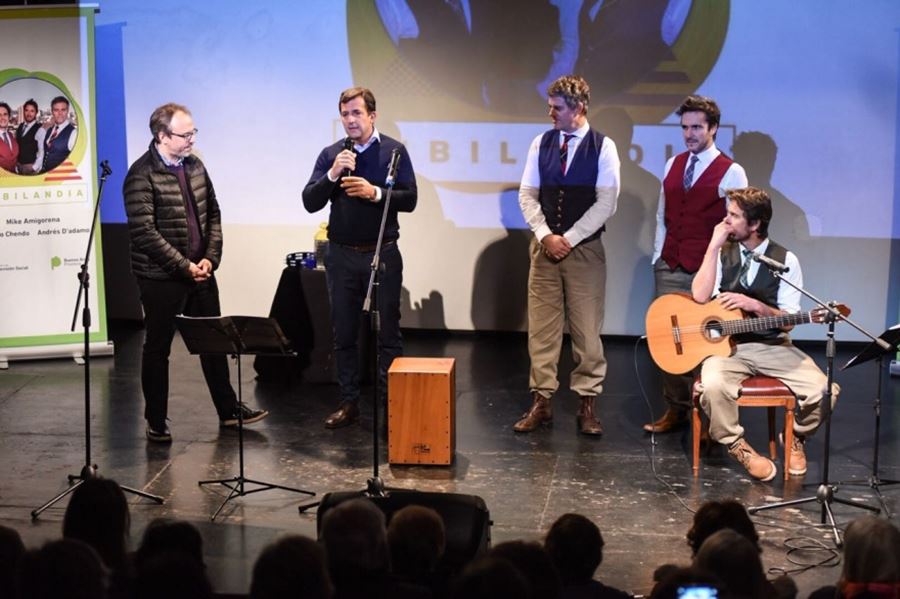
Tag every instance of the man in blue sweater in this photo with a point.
(351, 174)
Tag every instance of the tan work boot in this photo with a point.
(587, 422)
(798, 455)
(756, 465)
(539, 413)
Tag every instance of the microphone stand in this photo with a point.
(89, 471)
(375, 486)
(825, 492)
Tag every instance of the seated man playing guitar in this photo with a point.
(737, 281)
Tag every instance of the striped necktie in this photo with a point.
(564, 151)
(689, 173)
(53, 135)
(6, 140)
(745, 268)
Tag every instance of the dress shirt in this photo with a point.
(26, 127)
(606, 189)
(734, 178)
(39, 137)
(788, 297)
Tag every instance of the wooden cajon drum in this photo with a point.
(422, 411)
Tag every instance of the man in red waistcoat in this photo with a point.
(9, 149)
(691, 203)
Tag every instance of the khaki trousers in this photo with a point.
(721, 380)
(571, 291)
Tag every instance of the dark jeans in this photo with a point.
(348, 277)
(162, 301)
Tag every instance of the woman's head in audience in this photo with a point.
(11, 551)
(355, 540)
(417, 540)
(293, 566)
(575, 546)
(491, 578)
(735, 561)
(164, 535)
(98, 515)
(716, 515)
(65, 568)
(533, 562)
(871, 558)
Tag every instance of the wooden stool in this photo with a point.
(422, 411)
(756, 392)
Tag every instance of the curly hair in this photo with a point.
(573, 89)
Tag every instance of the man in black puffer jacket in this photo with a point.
(176, 244)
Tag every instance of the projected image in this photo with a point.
(494, 60)
(41, 127)
(468, 80)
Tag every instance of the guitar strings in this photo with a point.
(729, 327)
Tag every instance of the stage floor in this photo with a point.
(527, 481)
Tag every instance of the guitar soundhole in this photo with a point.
(712, 330)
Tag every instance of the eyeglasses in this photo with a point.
(185, 136)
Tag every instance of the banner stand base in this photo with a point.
(46, 352)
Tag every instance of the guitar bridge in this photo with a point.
(676, 333)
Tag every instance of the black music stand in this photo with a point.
(875, 351)
(236, 336)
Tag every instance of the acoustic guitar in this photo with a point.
(682, 333)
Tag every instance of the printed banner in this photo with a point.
(48, 181)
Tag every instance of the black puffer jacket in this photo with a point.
(157, 217)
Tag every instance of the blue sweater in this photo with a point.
(355, 221)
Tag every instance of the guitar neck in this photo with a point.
(752, 325)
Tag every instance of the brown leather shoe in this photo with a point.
(346, 415)
(587, 423)
(757, 466)
(540, 412)
(673, 419)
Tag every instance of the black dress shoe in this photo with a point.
(158, 434)
(248, 416)
(346, 415)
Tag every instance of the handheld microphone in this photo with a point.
(772, 264)
(392, 168)
(348, 145)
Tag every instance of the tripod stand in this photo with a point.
(375, 485)
(236, 336)
(825, 492)
(88, 471)
(877, 352)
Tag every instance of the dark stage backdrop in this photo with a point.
(808, 92)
